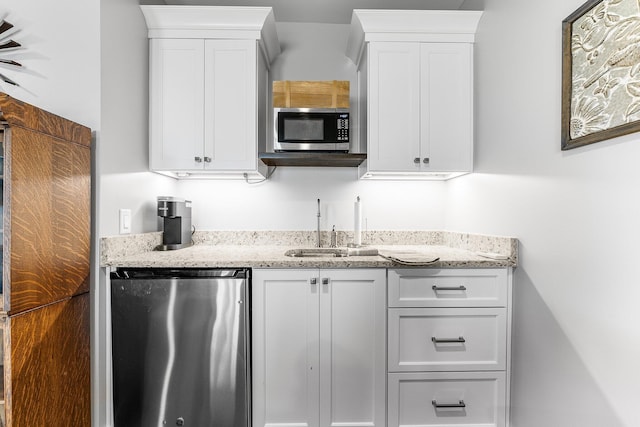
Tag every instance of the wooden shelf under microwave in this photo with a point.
(312, 159)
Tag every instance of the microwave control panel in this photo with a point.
(343, 127)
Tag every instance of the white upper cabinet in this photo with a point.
(415, 99)
(209, 89)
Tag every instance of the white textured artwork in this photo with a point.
(605, 49)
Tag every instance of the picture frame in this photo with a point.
(600, 72)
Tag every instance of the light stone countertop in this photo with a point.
(267, 250)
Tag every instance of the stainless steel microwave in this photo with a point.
(311, 129)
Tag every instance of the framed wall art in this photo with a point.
(600, 72)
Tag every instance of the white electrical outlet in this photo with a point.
(125, 221)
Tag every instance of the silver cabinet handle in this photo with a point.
(325, 281)
(207, 159)
(198, 159)
(425, 160)
(449, 288)
(460, 404)
(416, 160)
(313, 281)
(447, 340)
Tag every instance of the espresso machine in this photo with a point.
(176, 223)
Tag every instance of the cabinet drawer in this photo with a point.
(476, 399)
(436, 339)
(447, 288)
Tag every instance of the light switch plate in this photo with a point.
(125, 221)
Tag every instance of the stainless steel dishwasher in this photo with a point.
(181, 345)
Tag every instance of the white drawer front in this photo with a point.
(447, 288)
(436, 339)
(477, 399)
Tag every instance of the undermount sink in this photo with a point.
(317, 252)
(331, 252)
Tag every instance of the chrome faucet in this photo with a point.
(318, 245)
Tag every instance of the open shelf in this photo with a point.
(312, 159)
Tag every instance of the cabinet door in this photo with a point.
(352, 348)
(230, 105)
(446, 101)
(176, 104)
(394, 107)
(285, 348)
(48, 374)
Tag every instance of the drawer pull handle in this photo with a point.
(460, 404)
(449, 288)
(443, 340)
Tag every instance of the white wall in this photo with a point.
(125, 181)
(576, 338)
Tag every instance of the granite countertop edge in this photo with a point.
(454, 250)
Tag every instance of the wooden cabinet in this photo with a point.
(44, 315)
(415, 99)
(449, 347)
(319, 347)
(208, 89)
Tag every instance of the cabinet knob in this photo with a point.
(313, 280)
(416, 160)
(207, 159)
(198, 159)
(425, 160)
(325, 281)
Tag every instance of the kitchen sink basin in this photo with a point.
(317, 252)
(331, 252)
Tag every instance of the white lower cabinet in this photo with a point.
(319, 347)
(449, 347)
(447, 399)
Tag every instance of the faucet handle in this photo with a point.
(318, 242)
(334, 238)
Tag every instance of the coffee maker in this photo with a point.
(176, 226)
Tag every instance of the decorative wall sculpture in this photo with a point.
(600, 72)
(7, 45)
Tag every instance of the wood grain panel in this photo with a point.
(49, 371)
(47, 198)
(310, 94)
(49, 219)
(18, 113)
